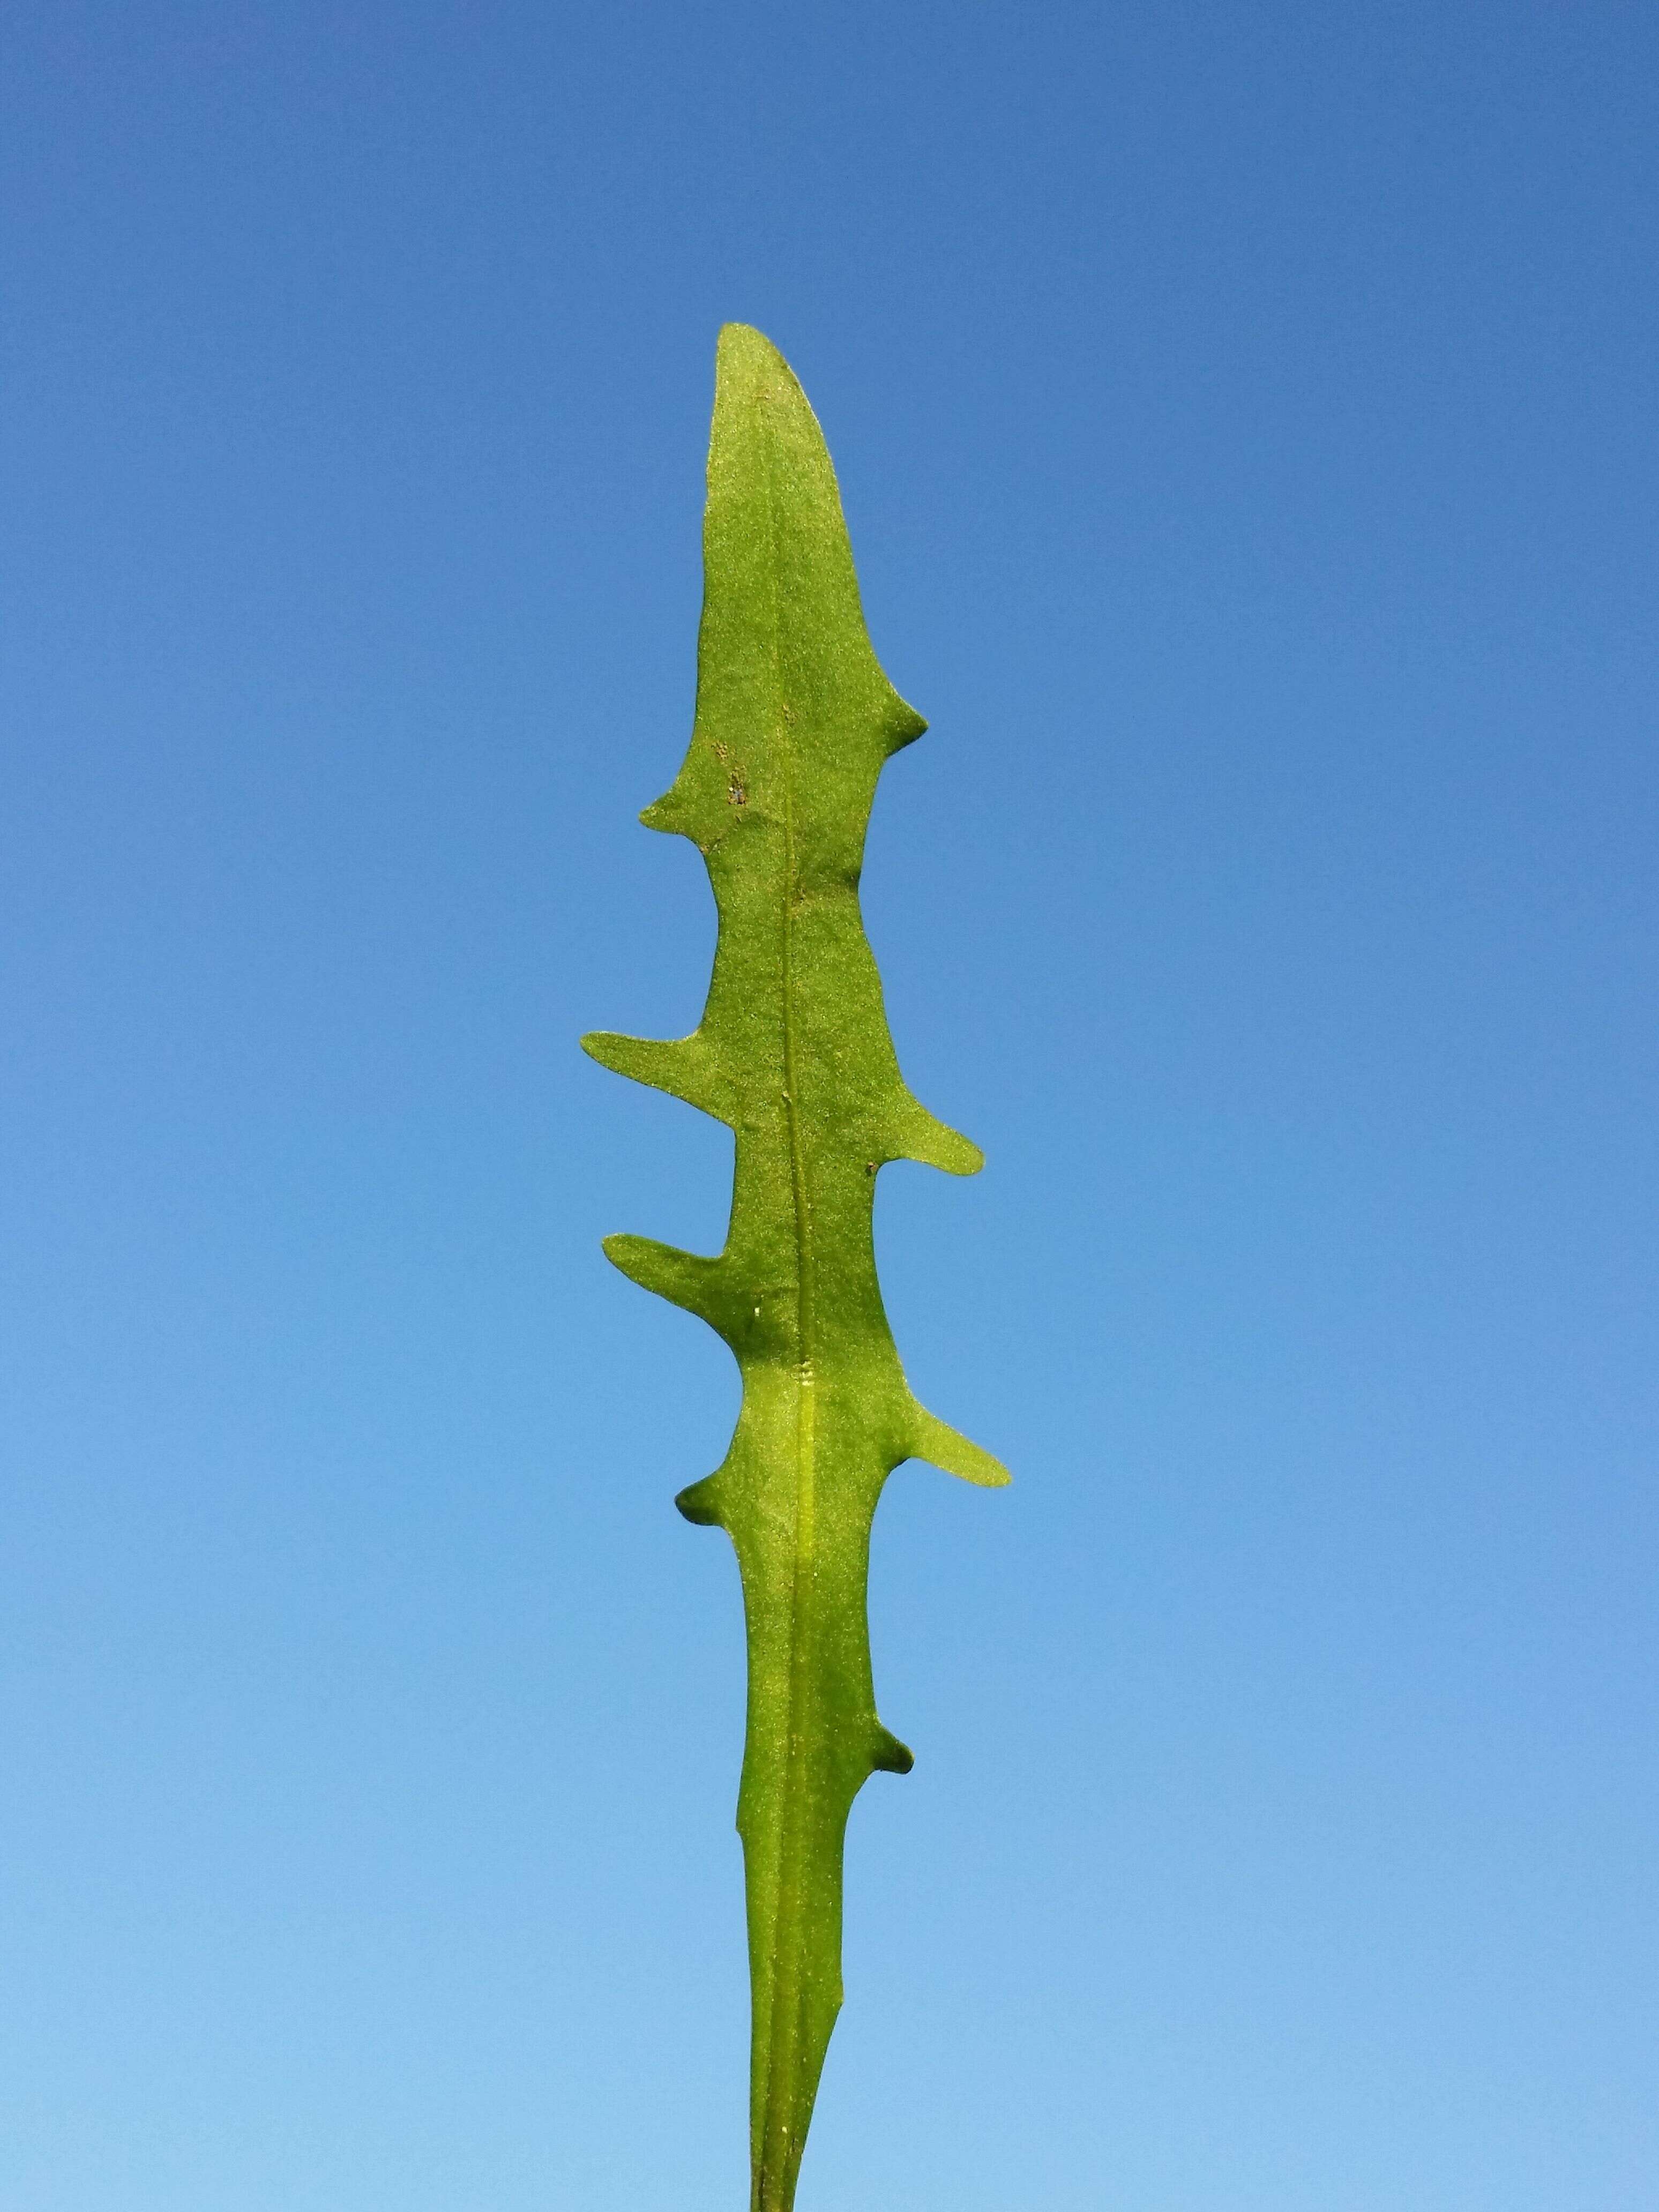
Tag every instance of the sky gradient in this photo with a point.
(1245, 421)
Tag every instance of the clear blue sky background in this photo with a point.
(1246, 419)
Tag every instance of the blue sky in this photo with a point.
(1245, 417)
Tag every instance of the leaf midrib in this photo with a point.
(788, 1992)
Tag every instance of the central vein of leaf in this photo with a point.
(790, 1991)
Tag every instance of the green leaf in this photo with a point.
(794, 720)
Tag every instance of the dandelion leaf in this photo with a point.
(795, 719)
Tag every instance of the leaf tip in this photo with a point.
(740, 341)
